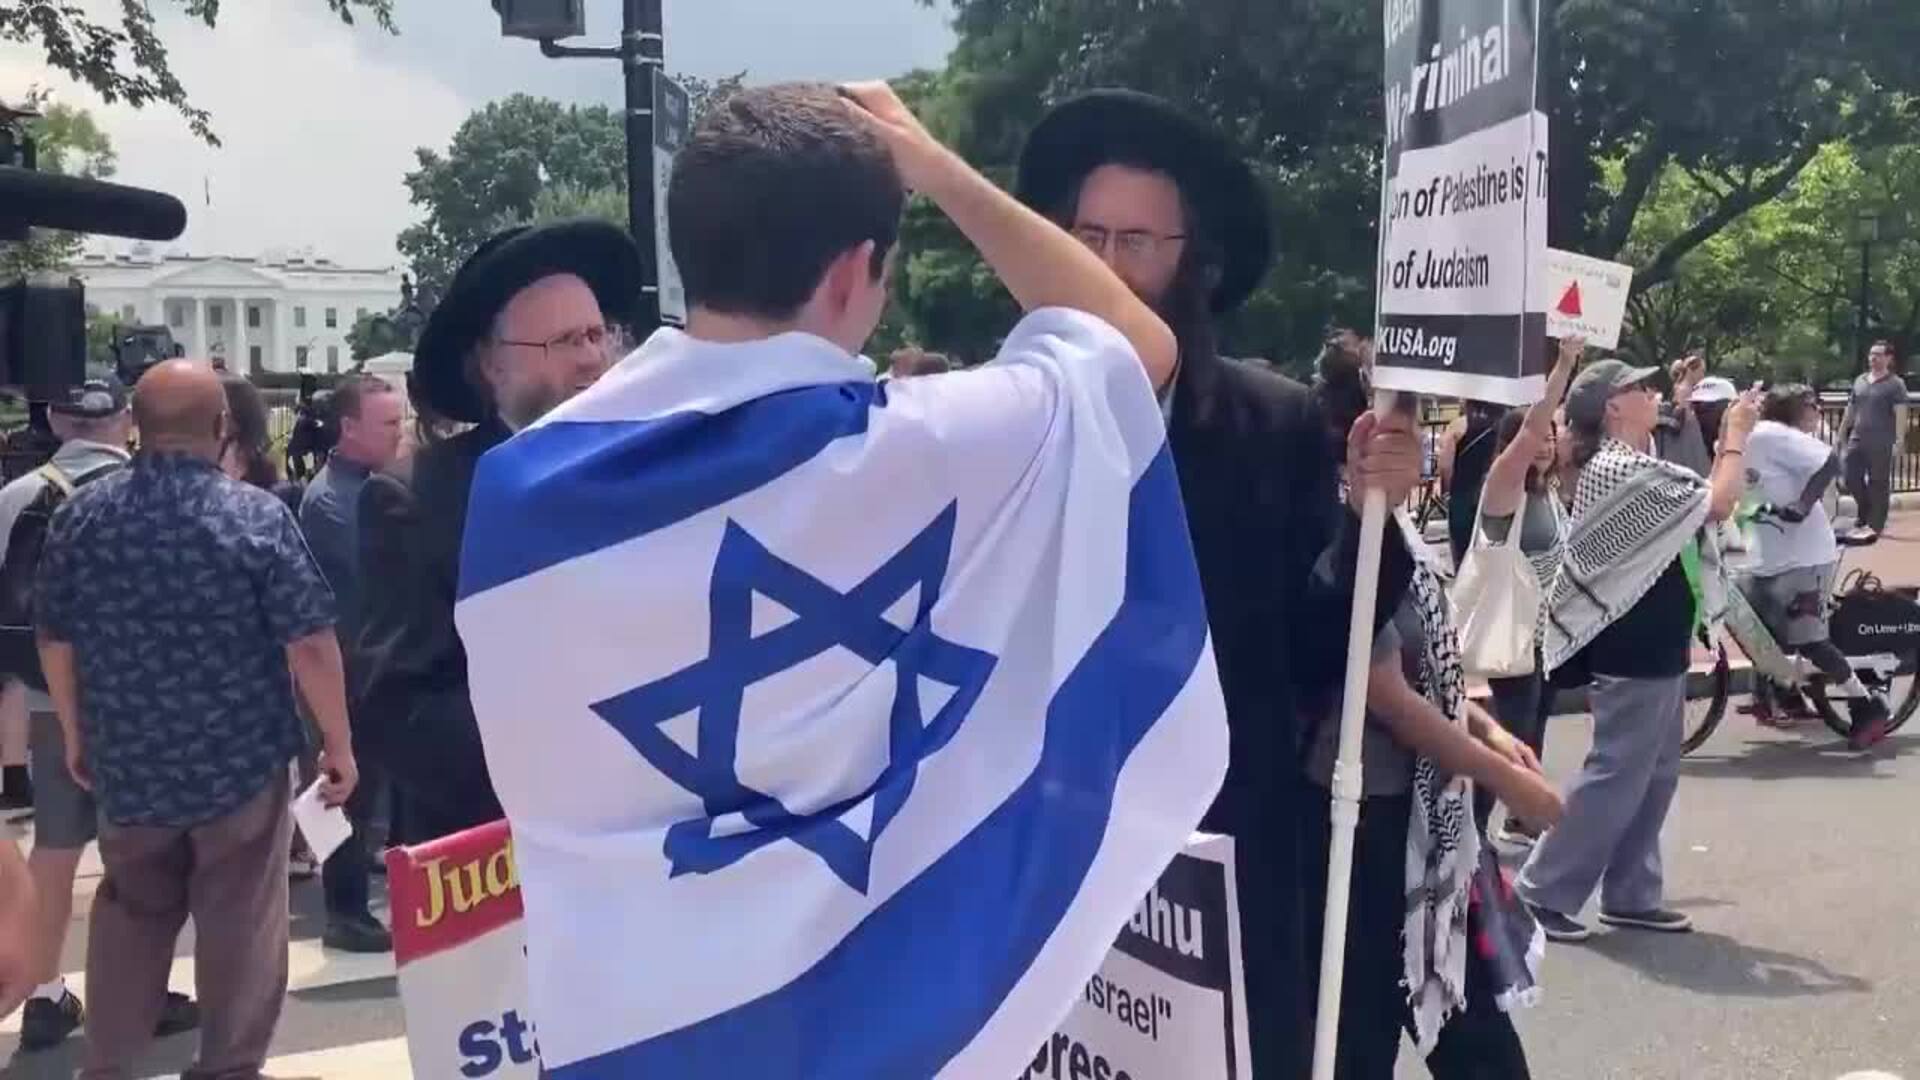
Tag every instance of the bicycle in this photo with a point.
(1877, 629)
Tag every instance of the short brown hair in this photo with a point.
(776, 183)
(355, 389)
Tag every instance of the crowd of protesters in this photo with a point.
(204, 622)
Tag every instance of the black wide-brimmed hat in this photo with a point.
(598, 252)
(1131, 128)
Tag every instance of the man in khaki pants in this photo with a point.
(171, 603)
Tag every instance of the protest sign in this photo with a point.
(672, 120)
(1169, 999)
(458, 943)
(1463, 202)
(1585, 297)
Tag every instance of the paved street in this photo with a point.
(1799, 861)
(1800, 864)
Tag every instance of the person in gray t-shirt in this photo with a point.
(1874, 425)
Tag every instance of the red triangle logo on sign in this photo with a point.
(1570, 303)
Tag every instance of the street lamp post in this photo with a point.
(641, 52)
(1869, 232)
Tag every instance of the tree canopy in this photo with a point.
(517, 161)
(501, 158)
(1672, 121)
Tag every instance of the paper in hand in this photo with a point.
(325, 827)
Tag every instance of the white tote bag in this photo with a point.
(1496, 605)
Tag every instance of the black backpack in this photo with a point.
(19, 653)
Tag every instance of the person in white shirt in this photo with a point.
(1790, 469)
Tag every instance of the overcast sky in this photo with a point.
(319, 121)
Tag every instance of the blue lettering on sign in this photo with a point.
(486, 1046)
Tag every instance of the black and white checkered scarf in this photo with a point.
(1443, 847)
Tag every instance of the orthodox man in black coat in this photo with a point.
(1182, 219)
(522, 328)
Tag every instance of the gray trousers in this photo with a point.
(1610, 834)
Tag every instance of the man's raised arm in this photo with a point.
(1039, 262)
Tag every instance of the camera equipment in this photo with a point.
(43, 319)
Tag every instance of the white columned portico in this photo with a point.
(201, 350)
(241, 361)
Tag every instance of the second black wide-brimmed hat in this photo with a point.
(1132, 128)
(598, 252)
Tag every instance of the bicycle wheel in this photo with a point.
(1900, 690)
(1705, 713)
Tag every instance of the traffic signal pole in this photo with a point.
(641, 52)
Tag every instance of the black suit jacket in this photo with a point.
(412, 703)
(1259, 476)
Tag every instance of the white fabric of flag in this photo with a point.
(841, 724)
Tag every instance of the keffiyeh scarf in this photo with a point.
(1633, 514)
(1443, 848)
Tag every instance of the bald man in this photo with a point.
(172, 602)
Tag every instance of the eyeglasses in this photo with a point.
(573, 341)
(1132, 243)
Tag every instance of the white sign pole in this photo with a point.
(1346, 769)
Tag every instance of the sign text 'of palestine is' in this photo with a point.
(1461, 193)
(1446, 76)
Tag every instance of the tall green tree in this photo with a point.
(1740, 95)
(500, 160)
(1737, 95)
(1777, 294)
(519, 160)
(124, 59)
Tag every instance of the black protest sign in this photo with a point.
(1463, 202)
(1170, 999)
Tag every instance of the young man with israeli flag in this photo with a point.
(840, 724)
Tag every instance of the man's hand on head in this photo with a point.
(1383, 452)
(920, 157)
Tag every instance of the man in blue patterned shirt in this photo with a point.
(172, 603)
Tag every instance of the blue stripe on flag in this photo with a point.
(913, 984)
(569, 489)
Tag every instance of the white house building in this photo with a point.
(282, 312)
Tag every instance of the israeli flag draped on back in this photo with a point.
(841, 724)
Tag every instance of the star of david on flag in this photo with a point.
(810, 696)
(705, 698)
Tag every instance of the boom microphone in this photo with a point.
(48, 201)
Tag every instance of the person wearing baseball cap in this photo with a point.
(526, 323)
(93, 421)
(1623, 610)
(1177, 212)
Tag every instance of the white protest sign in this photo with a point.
(1463, 203)
(461, 953)
(1585, 297)
(672, 120)
(1169, 1001)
